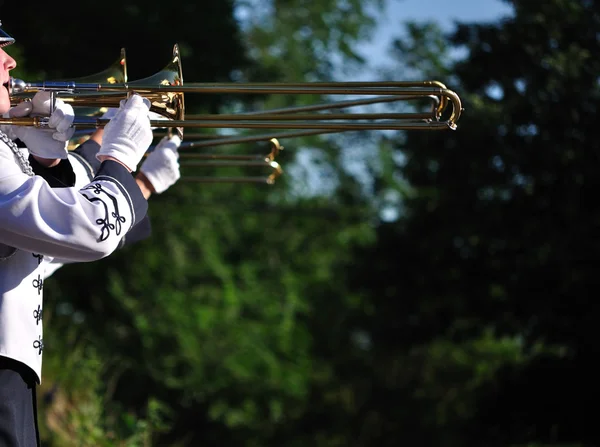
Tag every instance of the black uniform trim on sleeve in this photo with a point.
(117, 173)
(59, 176)
(86, 153)
(88, 150)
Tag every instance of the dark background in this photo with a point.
(267, 316)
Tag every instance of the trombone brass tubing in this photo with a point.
(220, 140)
(276, 147)
(224, 160)
(328, 106)
(311, 117)
(86, 122)
(217, 157)
(323, 125)
(293, 113)
(264, 180)
(403, 90)
(269, 180)
(19, 86)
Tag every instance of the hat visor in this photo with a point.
(5, 39)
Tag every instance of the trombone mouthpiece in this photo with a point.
(17, 86)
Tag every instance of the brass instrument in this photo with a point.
(86, 94)
(165, 90)
(116, 73)
(220, 160)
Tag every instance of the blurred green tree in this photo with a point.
(196, 335)
(274, 317)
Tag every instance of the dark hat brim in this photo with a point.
(5, 39)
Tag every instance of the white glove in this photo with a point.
(161, 166)
(109, 113)
(152, 115)
(45, 143)
(128, 135)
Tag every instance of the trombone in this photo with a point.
(165, 90)
(233, 160)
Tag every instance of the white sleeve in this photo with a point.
(73, 224)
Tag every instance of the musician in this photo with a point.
(39, 224)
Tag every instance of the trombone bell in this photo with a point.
(169, 104)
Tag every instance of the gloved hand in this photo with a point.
(109, 113)
(50, 142)
(161, 167)
(152, 115)
(128, 135)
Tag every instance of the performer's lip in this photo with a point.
(7, 86)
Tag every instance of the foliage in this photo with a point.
(516, 250)
(443, 298)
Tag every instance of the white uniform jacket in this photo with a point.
(42, 223)
(83, 165)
